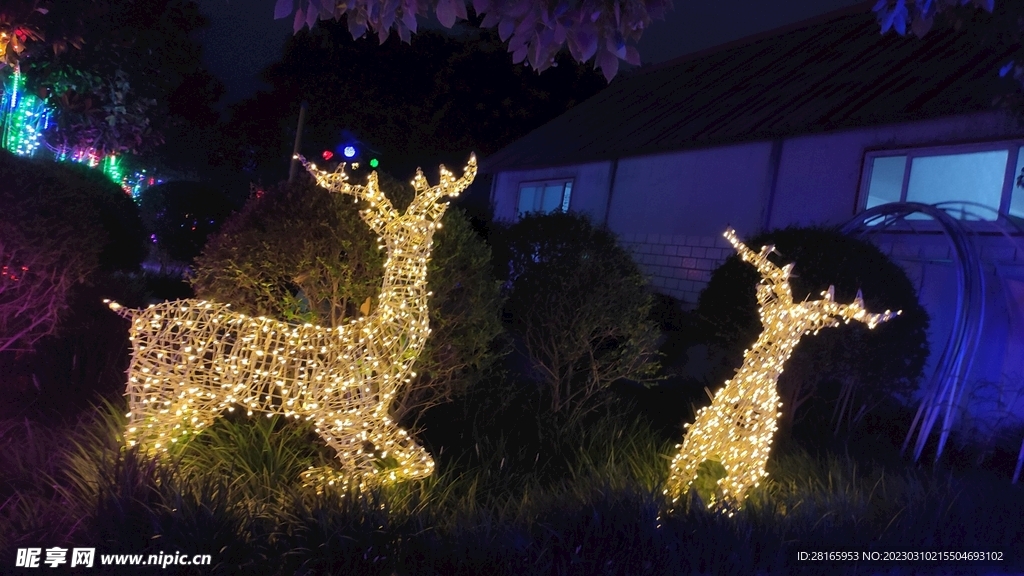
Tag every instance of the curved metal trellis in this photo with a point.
(944, 395)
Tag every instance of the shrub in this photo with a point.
(577, 307)
(61, 226)
(297, 253)
(849, 367)
(182, 215)
(300, 253)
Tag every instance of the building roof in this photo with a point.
(829, 73)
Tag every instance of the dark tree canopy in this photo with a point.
(577, 308)
(182, 215)
(440, 96)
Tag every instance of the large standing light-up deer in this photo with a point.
(194, 359)
(736, 430)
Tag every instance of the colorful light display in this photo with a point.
(23, 118)
(194, 359)
(113, 166)
(737, 429)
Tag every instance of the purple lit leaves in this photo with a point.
(283, 8)
(602, 31)
(918, 14)
(448, 10)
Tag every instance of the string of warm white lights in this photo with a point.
(193, 359)
(736, 430)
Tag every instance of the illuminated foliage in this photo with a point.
(598, 30)
(194, 359)
(737, 429)
(918, 16)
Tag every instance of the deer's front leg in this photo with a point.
(701, 443)
(405, 459)
(369, 450)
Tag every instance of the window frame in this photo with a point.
(563, 205)
(1012, 147)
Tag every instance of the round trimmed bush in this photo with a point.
(577, 307)
(62, 226)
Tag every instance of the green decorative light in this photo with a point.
(374, 163)
(111, 166)
(23, 118)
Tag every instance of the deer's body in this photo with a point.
(194, 359)
(737, 429)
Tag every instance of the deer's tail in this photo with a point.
(121, 311)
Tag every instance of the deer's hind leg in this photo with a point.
(168, 401)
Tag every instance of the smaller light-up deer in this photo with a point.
(736, 430)
(194, 359)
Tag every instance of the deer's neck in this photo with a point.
(402, 304)
(768, 355)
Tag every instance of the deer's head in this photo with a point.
(774, 286)
(412, 230)
(774, 294)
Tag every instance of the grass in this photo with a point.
(499, 507)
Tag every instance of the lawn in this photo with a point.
(592, 504)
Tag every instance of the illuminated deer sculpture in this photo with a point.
(194, 359)
(736, 430)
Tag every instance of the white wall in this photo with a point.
(692, 192)
(819, 176)
(669, 209)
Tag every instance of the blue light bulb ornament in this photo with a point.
(349, 151)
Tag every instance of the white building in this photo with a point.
(810, 124)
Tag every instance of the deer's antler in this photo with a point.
(426, 201)
(831, 312)
(378, 215)
(771, 274)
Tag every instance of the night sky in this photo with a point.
(243, 36)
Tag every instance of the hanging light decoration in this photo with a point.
(194, 359)
(737, 429)
(23, 118)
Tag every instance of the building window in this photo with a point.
(544, 197)
(982, 174)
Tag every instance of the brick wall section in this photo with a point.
(681, 266)
(677, 265)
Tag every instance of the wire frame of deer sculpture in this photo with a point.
(194, 359)
(737, 429)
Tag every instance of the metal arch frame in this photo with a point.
(954, 366)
